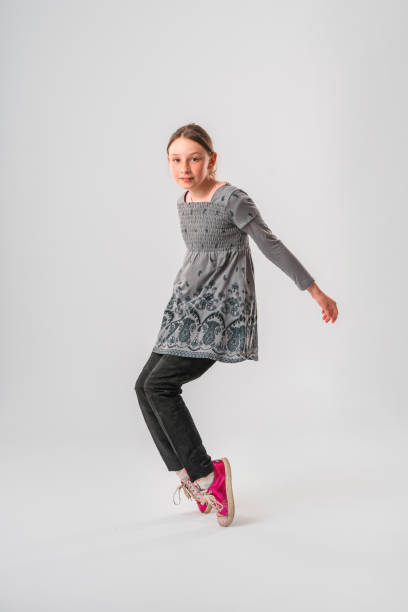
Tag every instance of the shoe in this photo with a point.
(219, 494)
(192, 491)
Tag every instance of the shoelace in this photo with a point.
(178, 490)
(192, 490)
(210, 499)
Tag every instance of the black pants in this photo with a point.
(158, 389)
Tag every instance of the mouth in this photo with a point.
(186, 179)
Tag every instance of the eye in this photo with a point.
(196, 158)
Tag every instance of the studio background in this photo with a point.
(306, 104)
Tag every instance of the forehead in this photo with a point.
(185, 146)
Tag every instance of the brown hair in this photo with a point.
(195, 132)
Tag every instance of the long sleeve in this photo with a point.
(246, 215)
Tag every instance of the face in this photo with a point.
(190, 163)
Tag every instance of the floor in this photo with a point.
(320, 525)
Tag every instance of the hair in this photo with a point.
(195, 132)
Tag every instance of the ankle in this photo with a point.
(182, 474)
(205, 481)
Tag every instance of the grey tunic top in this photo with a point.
(212, 310)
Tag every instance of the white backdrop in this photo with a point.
(304, 100)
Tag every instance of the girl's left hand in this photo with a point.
(329, 309)
(328, 306)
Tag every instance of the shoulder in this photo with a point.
(237, 193)
(240, 206)
(238, 197)
(233, 193)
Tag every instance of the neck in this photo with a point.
(203, 192)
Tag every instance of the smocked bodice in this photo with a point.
(207, 226)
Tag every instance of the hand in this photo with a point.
(329, 307)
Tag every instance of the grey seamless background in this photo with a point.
(306, 103)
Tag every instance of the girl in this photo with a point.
(211, 315)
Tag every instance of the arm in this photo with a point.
(246, 216)
(278, 253)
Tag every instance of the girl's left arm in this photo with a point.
(281, 256)
(278, 253)
(246, 215)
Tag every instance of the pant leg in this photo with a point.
(163, 390)
(159, 436)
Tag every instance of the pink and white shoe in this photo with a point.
(219, 494)
(192, 491)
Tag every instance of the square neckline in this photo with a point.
(206, 201)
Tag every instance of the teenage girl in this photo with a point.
(211, 314)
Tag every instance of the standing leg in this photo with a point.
(159, 436)
(163, 390)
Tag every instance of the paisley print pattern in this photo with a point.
(213, 324)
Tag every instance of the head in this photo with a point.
(190, 154)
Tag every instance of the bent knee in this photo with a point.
(139, 385)
(153, 385)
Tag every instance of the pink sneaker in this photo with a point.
(219, 493)
(191, 490)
